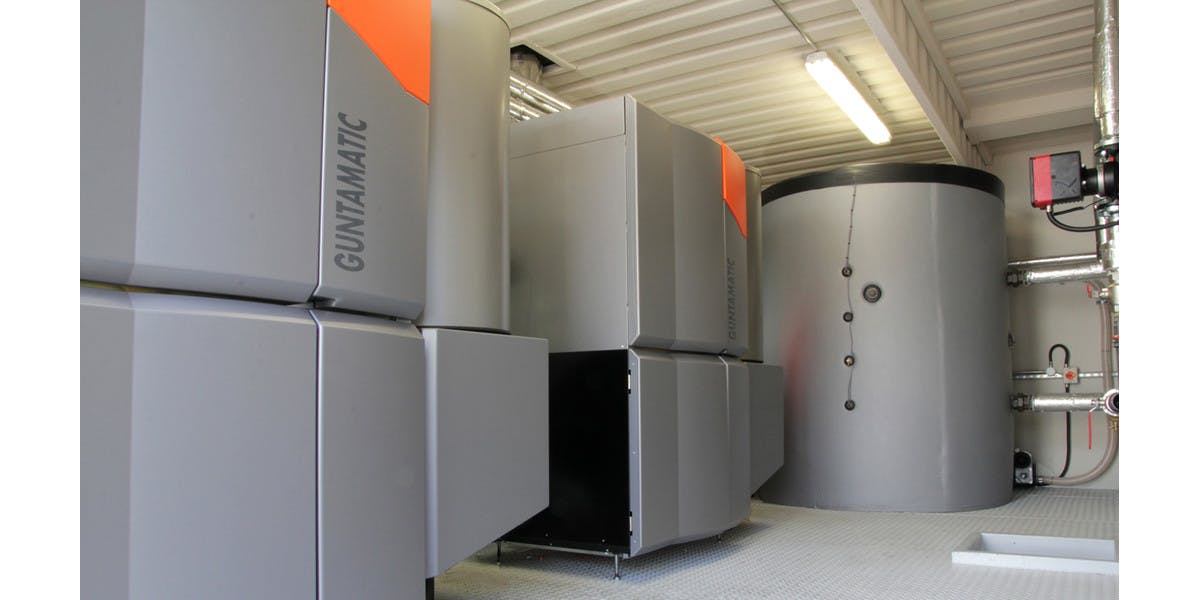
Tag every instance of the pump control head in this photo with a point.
(1062, 178)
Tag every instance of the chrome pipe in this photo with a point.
(1025, 263)
(1091, 272)
(1106, 248)
(1058, 402)
(1043, 376)
(528, 87)
(1104, 73)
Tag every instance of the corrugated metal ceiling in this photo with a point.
(734, 69)
(1010, 49)
(1023, 67)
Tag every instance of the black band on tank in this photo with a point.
(888, 173)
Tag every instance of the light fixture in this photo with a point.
(824, 67)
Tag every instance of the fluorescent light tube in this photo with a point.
(827, 73)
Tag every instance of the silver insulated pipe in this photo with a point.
(1092, 271)
(1026, 263)
(1106, 401)
(1104, 65)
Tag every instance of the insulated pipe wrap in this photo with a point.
(1051, 261)
(1104, 65)
(1058, 274)
(1059, 402)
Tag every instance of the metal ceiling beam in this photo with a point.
(1055, 110)
(909, 51)
(916, 12)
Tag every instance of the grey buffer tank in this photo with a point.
(884, 301)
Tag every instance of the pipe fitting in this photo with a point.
(1110, 399)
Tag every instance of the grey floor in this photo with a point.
(796, 553)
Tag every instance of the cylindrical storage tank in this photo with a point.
(885, 302)
(467, 274)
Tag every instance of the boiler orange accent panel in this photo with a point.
(733, 178)
(397, 31)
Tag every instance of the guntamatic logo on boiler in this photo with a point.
(352, 192)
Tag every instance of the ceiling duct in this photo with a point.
(525, 62)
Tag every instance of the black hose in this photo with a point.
(1066, 363)
(1075, 209)
(1067, 463)
(1088, 229)
(1066, 354)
